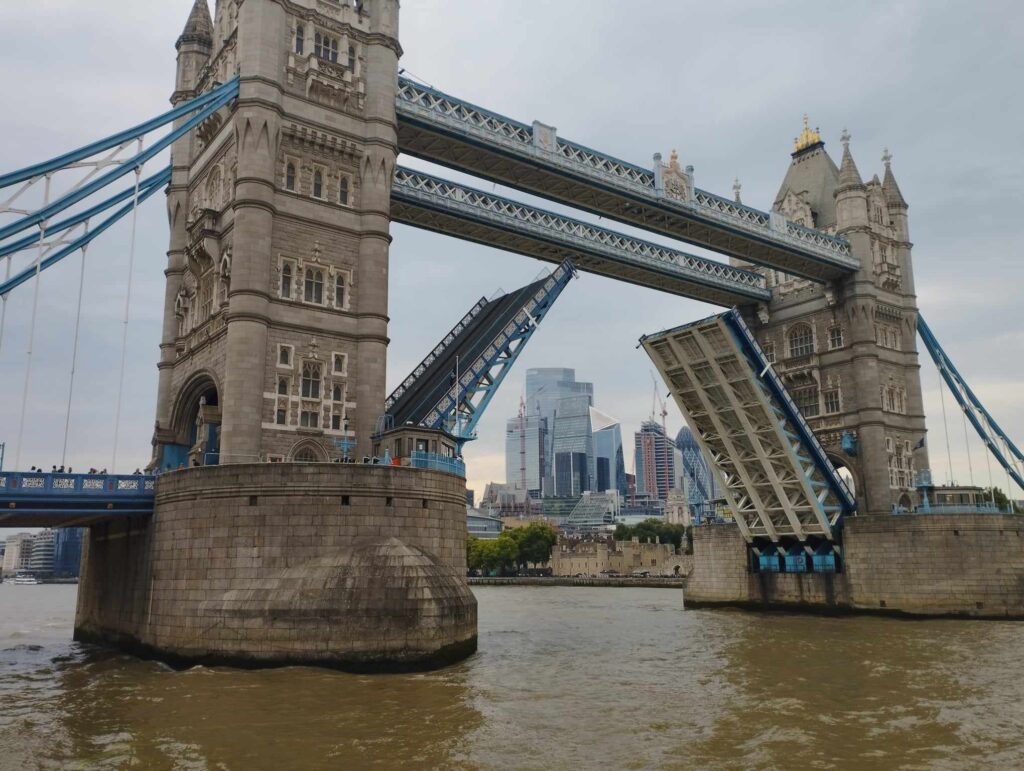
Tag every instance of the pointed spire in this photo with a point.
(893, 196)
(736, 187)
(849, 176)
(199, 27)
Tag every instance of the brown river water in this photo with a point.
(566, 678)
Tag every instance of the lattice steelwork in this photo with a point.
(487, 342)
(774, 473)
(425, 201)
(434, 354)
(446, 130)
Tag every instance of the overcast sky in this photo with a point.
(725, 83)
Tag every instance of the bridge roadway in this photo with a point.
(445, 130)
(482, 347)
(32, 499)
(436, 204)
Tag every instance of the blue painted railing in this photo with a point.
(33, 484)
(435, 462)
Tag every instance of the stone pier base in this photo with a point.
(968, 565)
(350, 566)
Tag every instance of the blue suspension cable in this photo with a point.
(127, 167)
(55, 164)
(159, 179)
(77, 244)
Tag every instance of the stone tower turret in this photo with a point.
(847, 350)
(275, 333)
(194, 46)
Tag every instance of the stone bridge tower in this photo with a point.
(275, 320)
(847, 352)
(273, 349)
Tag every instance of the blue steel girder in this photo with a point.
(478, 383)
(34, 499)
(428, 202)
(62, 161)
(153, 185)
(439, 349)
(443, 129)
(774, 473)
(225, 94)
(992, 435)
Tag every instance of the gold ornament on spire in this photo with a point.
(807, 137)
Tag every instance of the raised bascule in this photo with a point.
(295, 514)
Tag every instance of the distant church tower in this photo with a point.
(847, 351)
(276, 309)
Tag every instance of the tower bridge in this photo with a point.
(287, 122)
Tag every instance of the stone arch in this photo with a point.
(851, 475)
(201, 387)
(307, 451)
(905, 503)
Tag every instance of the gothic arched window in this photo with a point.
(306, 455)
(339, 290)
(338, 395)
(801, 341)
(286, 281)
(300, 39)
(314, 286)
(343, 191)
(289, 177)
(310, 381)
(282, 386)
(352, 58)
(318, 184)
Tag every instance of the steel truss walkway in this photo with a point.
(29, 499)
(431, 203)
(775, 475)
(478, 352)
(446, 130)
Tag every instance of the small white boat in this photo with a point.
(26, 579)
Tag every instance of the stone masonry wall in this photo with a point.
(964, 565)
(359, 567)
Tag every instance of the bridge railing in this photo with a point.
(449, 196)
(541, 144)
(27, 484)
(435, 462)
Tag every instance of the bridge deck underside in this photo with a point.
(60, 511)
(773, 472)
(455, 210)
(441, 139)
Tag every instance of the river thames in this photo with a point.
(566, 678)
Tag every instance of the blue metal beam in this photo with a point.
(88, 151)
(971, 405)
(20, 278)
(127, 167)
(159, 179)
(784, 402)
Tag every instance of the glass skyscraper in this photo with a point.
(609, 462)
(563, 404)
